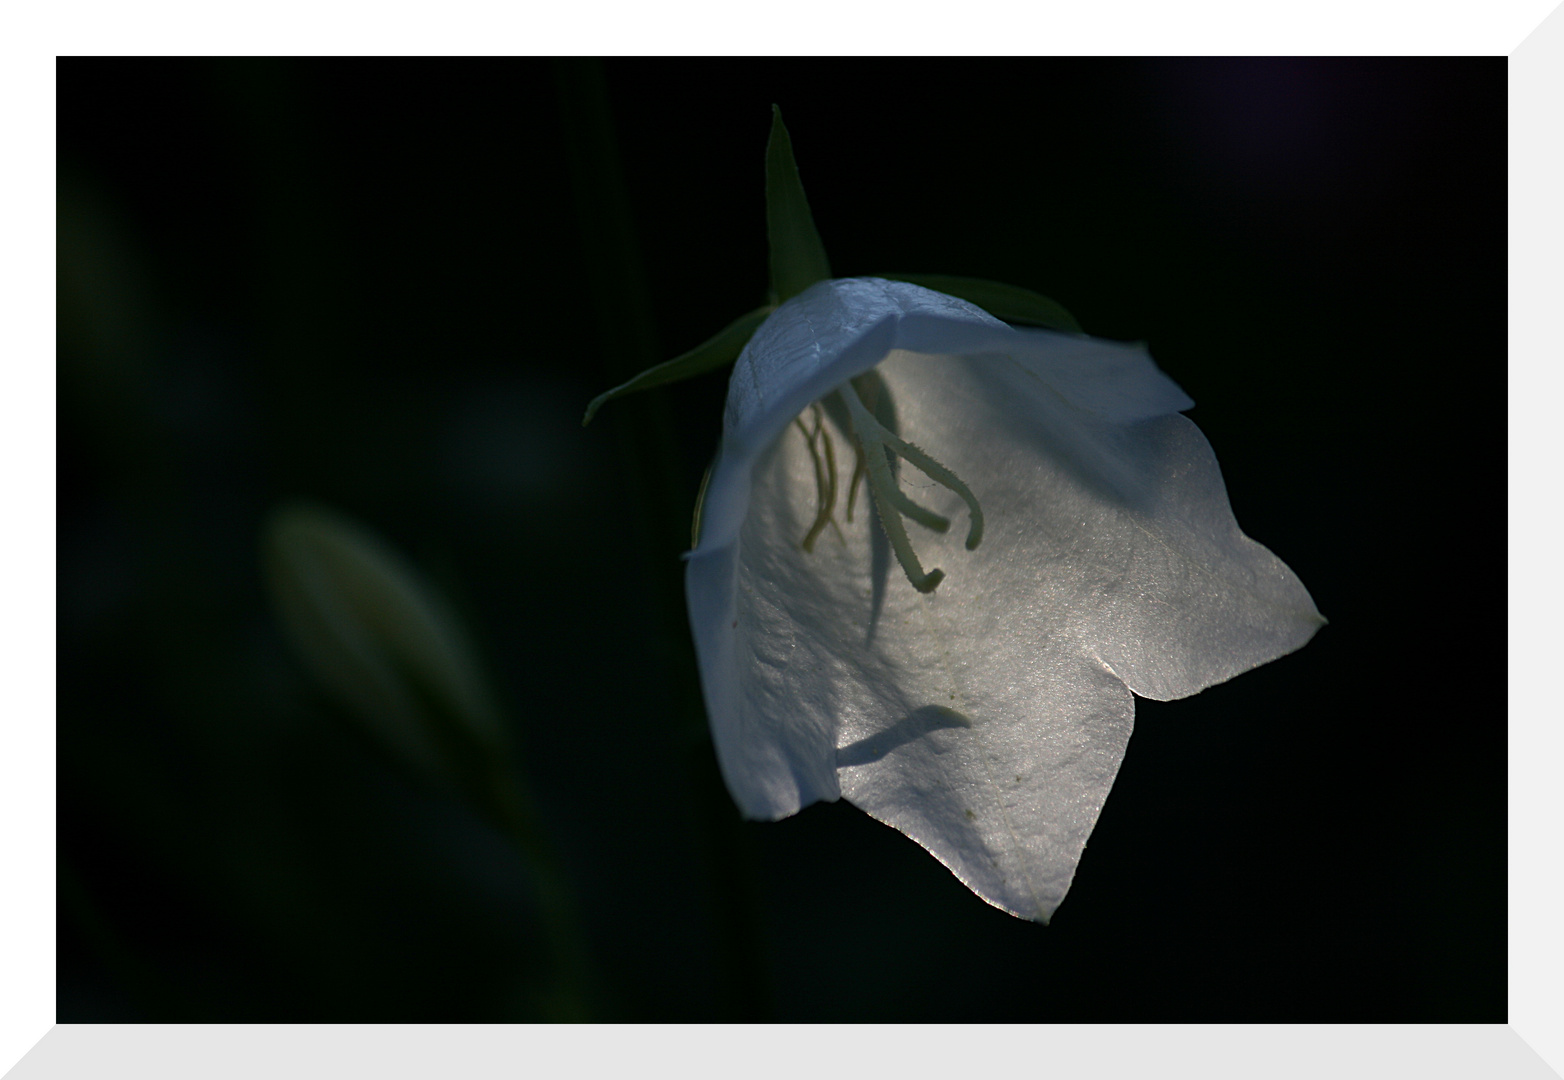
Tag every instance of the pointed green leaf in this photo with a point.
(797, 255)
(722, 348)
(1009, 302)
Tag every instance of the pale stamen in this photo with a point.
(825, 475)
(874, 440)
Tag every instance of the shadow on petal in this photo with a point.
(914, 725)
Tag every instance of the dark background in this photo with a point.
(391, 287)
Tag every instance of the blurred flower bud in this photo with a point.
(383, 642)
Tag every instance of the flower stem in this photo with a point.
(652, 458)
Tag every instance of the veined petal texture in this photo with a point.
(985, 720)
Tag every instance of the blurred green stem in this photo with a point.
(654, 465)
(487, 773)
(571, 998)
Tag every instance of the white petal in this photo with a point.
(986, 720)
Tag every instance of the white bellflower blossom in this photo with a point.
(936, 556)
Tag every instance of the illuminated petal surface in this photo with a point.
(987, 719)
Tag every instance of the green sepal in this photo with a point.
(1009, 302)
(797, 255)
(700, 503)
(723, 348)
